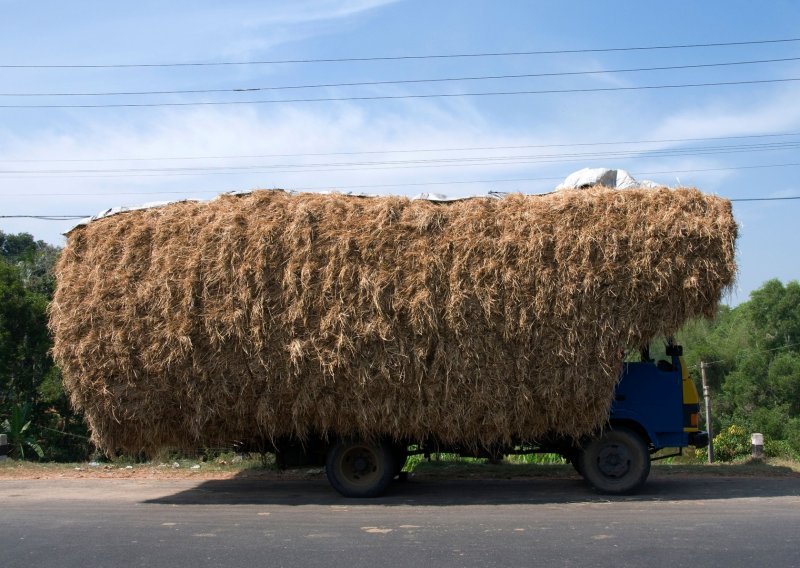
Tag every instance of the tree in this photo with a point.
(783, 381)
(775, 312)
(17, 428)
(24, 340)
(34, 259)
(755, 348)
(29, 379)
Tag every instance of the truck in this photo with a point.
(352, 332)
(655, 407)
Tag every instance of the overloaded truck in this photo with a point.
(354, 331)
(656, 406)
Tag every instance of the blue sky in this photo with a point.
(118, 156)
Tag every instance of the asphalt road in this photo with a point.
(676, 521)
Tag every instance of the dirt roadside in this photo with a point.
(430, 470)
(175, 470)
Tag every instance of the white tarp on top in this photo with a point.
(437, 197)
(617, 179)
(124, 209)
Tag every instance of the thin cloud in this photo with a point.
(316, 11)
(774, 113)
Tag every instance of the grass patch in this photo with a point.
(553, 466)
(479, 469)
(452, 465)
(441, 466)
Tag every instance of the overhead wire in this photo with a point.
(396, 82)
(749, 352)
(408, 184)
(400, 57)
(507, 159)
(402, 150)
(46, 217)
(462, 161)
(406, 96)
(79, 217)
(789, 198)
(172, 174)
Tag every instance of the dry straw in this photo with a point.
(480, 321)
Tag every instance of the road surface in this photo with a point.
(676, 521)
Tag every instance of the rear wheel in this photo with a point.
(360, 469)
(616, 463)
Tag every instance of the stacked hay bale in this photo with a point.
(476, 321)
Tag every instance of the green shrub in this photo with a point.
(734, 443)
(780, 449)
(730, 444)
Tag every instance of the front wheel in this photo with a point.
(616, 463)
(360, 469)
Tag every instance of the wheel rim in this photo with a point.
(614, 460)
(360, 466)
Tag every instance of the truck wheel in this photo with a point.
(360, 469)
(615, 463)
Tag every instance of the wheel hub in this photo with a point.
(614, 461)
(359, 465)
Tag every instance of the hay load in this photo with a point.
(478, 321)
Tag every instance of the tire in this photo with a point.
(616, 463)
(360, 469)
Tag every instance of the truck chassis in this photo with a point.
(655, 406)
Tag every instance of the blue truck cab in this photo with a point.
(656, 406)
(648, 397)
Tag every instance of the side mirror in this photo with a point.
(674, 350)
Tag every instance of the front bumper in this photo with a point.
(698, 439)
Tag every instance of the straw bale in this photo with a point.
(477, 322)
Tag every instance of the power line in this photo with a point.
(296, 188)
(46, 217)
(750, 352)
(421, 96)
(438, 162)
(402, 151)
(78, 217)
(173, 174)
(399, 57)
(758, 166)
(402, 184)
(765, 198)
(396, 82)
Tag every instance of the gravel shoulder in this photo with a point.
(191, 470)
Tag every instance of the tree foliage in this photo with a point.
(34, 259)
(17, 427)
(34, 409)
(24, 341)
(754, 355)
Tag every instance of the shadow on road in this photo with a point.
(455, 492)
